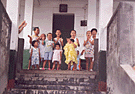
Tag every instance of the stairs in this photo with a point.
(55, 82)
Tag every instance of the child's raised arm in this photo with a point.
(61, 40)
(78, 42)
(30, 39)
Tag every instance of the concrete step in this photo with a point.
(41, 91)
(69, 72)
(89, 87)
(35, 74)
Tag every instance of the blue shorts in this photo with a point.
(48, 55)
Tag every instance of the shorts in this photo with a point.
(35, 61)
(48, 55)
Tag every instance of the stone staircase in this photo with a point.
(55, 82)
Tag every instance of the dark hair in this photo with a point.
(93, 30)
(73, 30)
(68, 37)
(36, 28)
(72, 40)
(57, 44)
(49, 33)
(33, 42)
(58, 30)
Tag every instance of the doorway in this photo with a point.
(65, 23)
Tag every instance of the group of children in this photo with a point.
(45, 49)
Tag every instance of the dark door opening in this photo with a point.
(64, 22)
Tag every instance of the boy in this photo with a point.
(48, 50)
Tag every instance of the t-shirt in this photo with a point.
(49, 46)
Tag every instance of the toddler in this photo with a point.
(57, 56)
(35, 55)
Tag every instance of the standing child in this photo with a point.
(35, 55)
(70, 53)
(32, 38)
(42, 46)
(48, 50)
(57, 56)
(73, 36)
(58, 38)
(89, 50)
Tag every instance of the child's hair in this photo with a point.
(58, 30)
(49, 33)
(33, 42)
(72, 40)
(68, 37)
(36, 28)
(43, 34)
(93, 30)
(57, 44)
(88, 31)
(73, 30)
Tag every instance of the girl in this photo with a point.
(89, 50)
(58, 38)
(70, 53)
(73, 36)
(35, 55)
(57, 54)
(42, 45)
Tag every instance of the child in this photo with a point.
(73, 36)
(58, 38)
(70, 53)
(48, 50)
(42, 45)
(35, 55)
(32, 38)
(79, 62)
(89, 50)
(57, 56)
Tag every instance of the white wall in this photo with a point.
(43, 15)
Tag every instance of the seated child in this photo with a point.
(35, 55)
(70, 53)
(57, 54)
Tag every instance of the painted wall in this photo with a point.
(43, 15)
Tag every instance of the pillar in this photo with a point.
(13, 12)
(92, 10)
(28, 17)
(105, 14)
